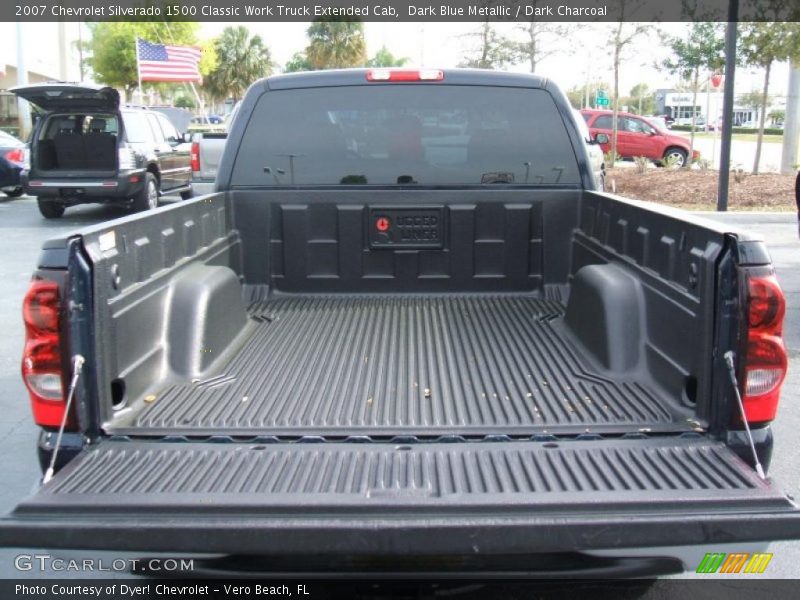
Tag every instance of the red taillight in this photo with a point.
(41, 359)
(405, 75)
(195, 155)
(17, 156)
(766, 362)
(766, 304)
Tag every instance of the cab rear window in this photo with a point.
(406, 135)
(79, 124)
(137, 129)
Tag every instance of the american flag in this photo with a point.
(158, 62)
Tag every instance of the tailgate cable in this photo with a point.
(77, 363)
(732, 373)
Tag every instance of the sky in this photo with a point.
(444, 45)
(436, 45)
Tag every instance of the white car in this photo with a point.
(594, 150)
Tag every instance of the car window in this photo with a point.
(60, 124)
(158, 134)
(81, 124)
(634, 125)
(646, 127)
(167, 127)
(405, 134)
(137, 129)
(657, 122)
(603, 122)
(100, 124)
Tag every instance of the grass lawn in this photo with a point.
(738, 137)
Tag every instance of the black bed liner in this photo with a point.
(402, 499)
(120, 475)
(415, 365)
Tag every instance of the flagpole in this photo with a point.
(139, 74)
(199, 101)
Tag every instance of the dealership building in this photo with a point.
(679, 106)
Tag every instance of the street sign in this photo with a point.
(600, 98)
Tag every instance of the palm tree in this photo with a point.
(241, 59)
(336, 44)
(384, 58)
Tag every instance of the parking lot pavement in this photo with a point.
(22, 231)
(743, 153)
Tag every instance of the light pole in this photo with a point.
(791, 125)
(24, 109)
(727, 106)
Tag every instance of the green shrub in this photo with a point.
(185, 102)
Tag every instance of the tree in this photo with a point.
(642, 98)
(208, 58)
(298, 62)
(763, 44)
(751, 99)
(336, 44)
(776, 117)
(384, 58)
(542, 39)
(493, 51)
(241, 59)
(622, 35)
(575, 96)
(702, 50)
(113, 47)
(185, 102)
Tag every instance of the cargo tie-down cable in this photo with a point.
(77, 363)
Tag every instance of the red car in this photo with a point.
(636, 136)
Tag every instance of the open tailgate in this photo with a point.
(388, 498)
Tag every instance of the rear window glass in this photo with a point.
(405, 134)
(79, 124)
(167, 128)
(603, 122)
(136, 128)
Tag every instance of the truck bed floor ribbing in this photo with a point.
(416, 365)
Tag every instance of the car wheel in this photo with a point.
(675, 157)
(50, 209)
(187, 194)
(147, 198)
(13, 192)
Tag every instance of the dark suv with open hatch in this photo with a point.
(87, 148)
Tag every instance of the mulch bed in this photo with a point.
(698, 189)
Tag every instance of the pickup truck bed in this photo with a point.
(198, 351)
(407, 334)
(465, 364)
